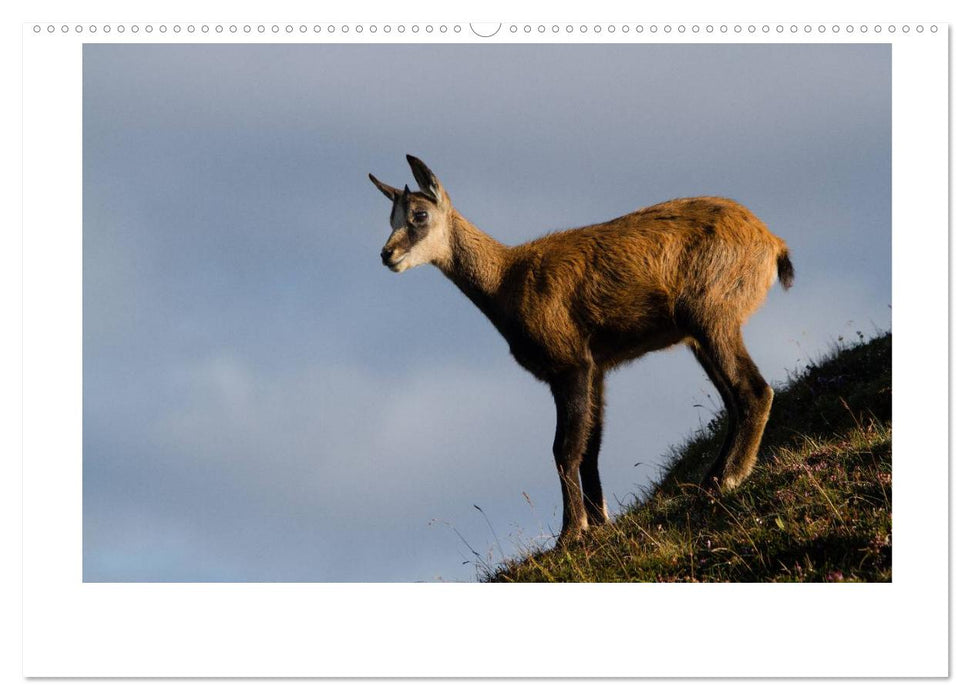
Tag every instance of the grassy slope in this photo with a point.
(816, 508)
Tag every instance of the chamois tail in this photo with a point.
(786, 272)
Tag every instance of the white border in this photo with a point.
(441, 31)
(423, 630)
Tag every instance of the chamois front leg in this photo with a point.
(593, 499)
(572, 395)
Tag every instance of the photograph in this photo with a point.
(486, 312)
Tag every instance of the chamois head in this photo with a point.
(419, 220)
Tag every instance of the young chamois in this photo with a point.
(574, 304)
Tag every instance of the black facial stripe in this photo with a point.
(416, 233)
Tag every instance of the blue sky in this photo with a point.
(263, 401)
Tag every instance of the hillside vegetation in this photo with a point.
(816, 508)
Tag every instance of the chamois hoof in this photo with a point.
(730, 482)
(597, 516)
(570, 537)
(598, 520)
(713, 485)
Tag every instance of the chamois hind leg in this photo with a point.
(728, 400)
(572, 393)
(593, 499)
(752, 397)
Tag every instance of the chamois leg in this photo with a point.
(728, 400)
(593, 500)
(753, 400)
(571, 393)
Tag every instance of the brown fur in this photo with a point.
(574, 304)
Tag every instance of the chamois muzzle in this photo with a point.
(392, 257)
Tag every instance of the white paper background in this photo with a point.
(897, 629)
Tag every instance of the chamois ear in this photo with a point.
(426, 179)
(388, 191)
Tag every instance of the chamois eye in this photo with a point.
(421, 216)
